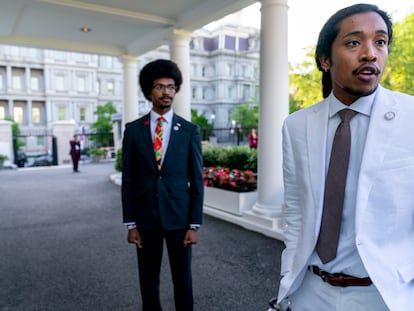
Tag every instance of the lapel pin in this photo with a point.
(389, 115)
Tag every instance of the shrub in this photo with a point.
(236, 157)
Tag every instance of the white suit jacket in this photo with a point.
(384, 203)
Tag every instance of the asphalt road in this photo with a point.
(63, 247)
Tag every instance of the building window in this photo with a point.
(230, 91)
(81, 80)
(2, 78)
(18, 78)
(18, 114)
(2, 113)
(61, 113)
(61, 56)
(246, 91)
(110, 88)
(35, 83)
(229, 70)
(60, 82)
(38, 112)
(36, 79)
(107, 62)
(212, 70)
(193, 93)
(36, 115)
(82, 58)
(82, 114)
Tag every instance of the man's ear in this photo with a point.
(325, 63)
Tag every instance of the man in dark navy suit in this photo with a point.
(162, 187)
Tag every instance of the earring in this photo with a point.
(325, 69)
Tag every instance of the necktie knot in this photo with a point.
(347, 114)
(160, 119)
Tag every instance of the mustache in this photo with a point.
(367, 67)
(166, 97)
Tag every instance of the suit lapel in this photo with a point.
(380, 132)
(146, 136)
(316, 151)
(175, 127)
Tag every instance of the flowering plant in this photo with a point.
(233, 180)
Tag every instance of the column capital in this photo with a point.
(127, 58)
(274, 2)
(181, 32)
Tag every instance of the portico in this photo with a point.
(128, 29)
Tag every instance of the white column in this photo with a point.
(180, 54)
(274, 105)
(6, 139)
(130, 71)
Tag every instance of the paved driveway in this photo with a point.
(63, 247)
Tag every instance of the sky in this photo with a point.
(304, 27)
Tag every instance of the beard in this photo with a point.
(358, 93)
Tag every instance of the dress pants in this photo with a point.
(314, 294)
(149, 266)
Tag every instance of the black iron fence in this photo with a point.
(226, 136)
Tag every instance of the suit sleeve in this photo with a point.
(127, 177)
(292, 208)
(195, 170)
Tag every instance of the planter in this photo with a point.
(229, 201)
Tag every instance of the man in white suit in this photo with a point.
(373, 268)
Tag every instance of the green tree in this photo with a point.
(305, 83)
(16, 132)
(247, 115)
(399, 72)
(205, 127)
(103, 125)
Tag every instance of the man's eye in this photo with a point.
(382, 42)
(353, 43)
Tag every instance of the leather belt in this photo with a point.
(340, 279)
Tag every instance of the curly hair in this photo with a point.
(157, 69)
(330, 31)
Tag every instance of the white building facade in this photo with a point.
(39, 87)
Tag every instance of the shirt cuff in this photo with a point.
(130, 225)
(194, 227)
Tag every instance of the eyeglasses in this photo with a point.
(162, 87)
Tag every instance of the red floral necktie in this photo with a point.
(158, 141)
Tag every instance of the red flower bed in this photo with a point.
(233, 180)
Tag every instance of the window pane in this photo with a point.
(36, 115)
(17, 82)
(34, 83)
(61, 114)
(18, 114)
(110, 88)
(82, 114)
(60, 83)
(81, 84)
